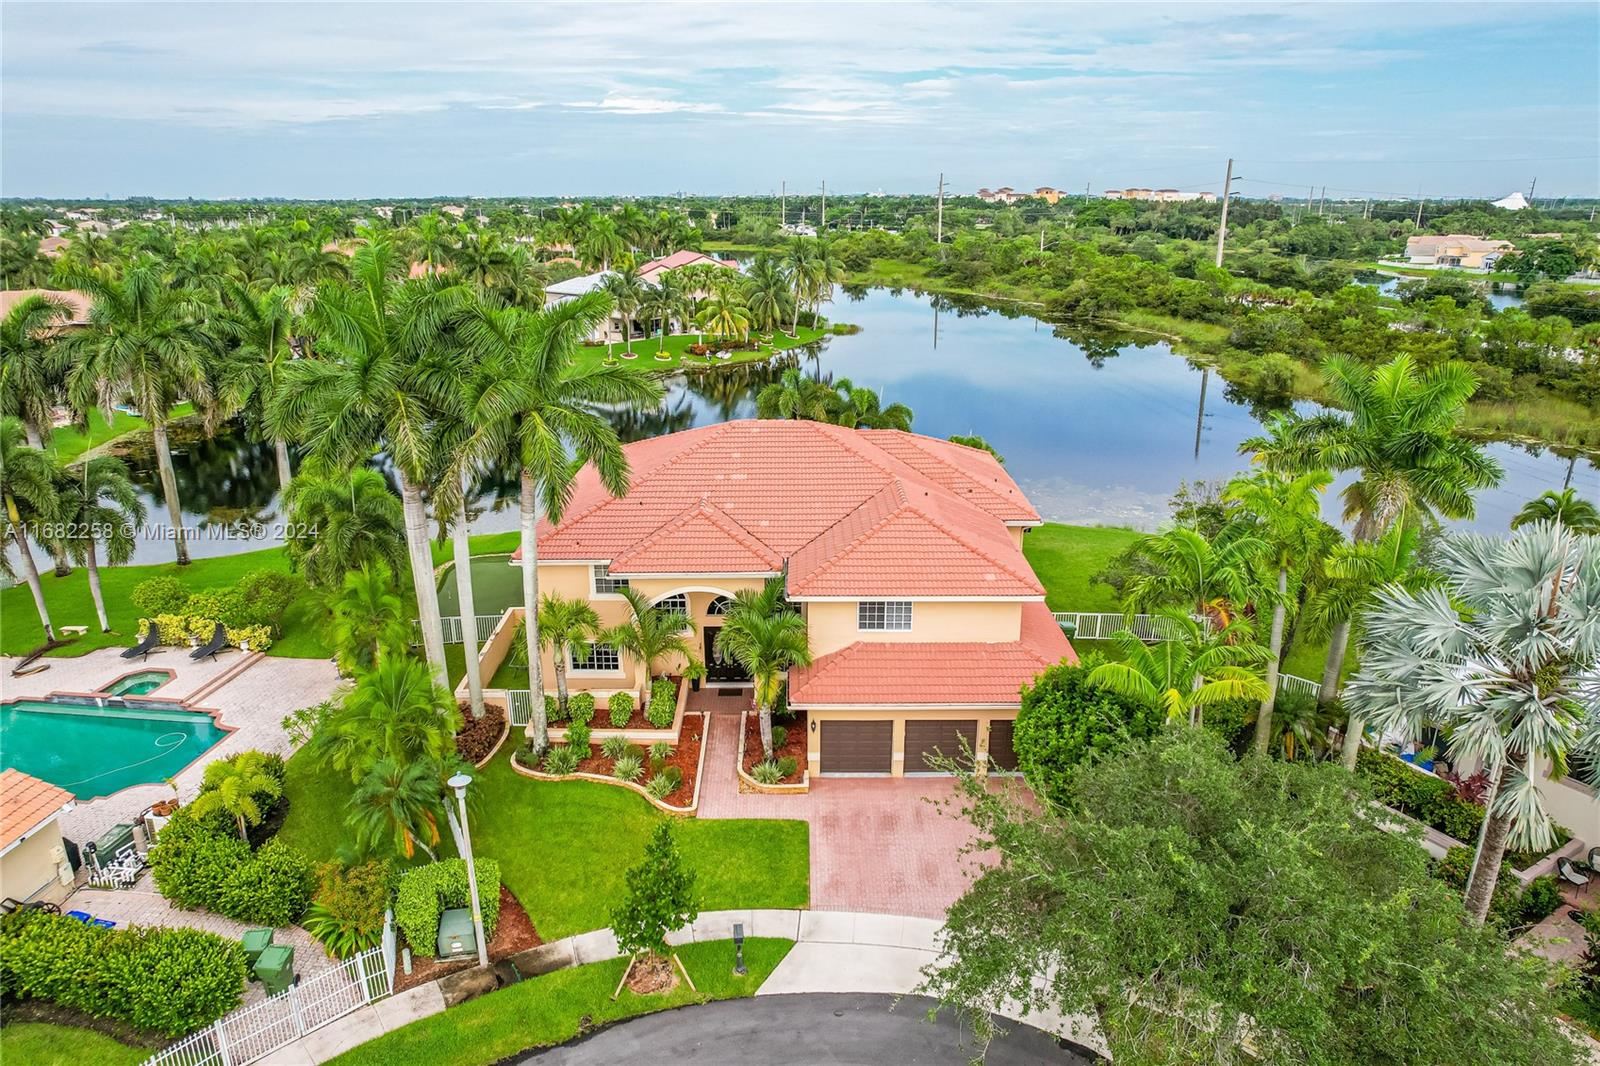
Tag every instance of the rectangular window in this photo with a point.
(603, 659)
(604, 582)
(884, 615)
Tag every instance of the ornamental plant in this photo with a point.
(620, 707)
(659, 895)
(428, 891)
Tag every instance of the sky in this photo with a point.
(388, 99)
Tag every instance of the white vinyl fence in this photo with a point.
(519, 705)
(451, 624)
(1101, 626)
(253, 1032)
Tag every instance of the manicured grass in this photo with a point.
(508, 675)
(69, 442)
(496, 585)
(480, 544)
(551, 1009)
(1066, 557)
(564, 847)
(676, 348)
(42, 1044)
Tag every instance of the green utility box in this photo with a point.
(455, 934)
(255, 941)
(275, 968)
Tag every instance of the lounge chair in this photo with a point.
(151, 641)
(218, 641)
(1594, 859)
(1570, 873)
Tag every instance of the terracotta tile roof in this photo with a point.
(954, 674)
(683, 259)
(847, 513)
(78, 303)
(24, 803)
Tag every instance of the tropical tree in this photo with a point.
(144, 340)
(723, 314)
(823, 271)
(566, 627)
(861, 408)
(1183, 675)
(431, 244)
(397, 806)
(1565, 507)
(237, 786)
(664, 302)
(530, 400)
(482, 259)
(1287, 515)
(30, 373)
(367, 619)
(650, 633)
(96, 503)
(1504, 658)
(395, 711)
(27, 486)
(601, 243)
(767, 293)
(767, 637)
(341, 520)
(800, 261)
(794, 395)
(260, 325)
(1212, 577)
(627, 292)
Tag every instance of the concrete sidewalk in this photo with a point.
(357, 1027)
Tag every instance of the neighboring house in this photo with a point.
(1003, 195)
(453, 210)
(90, 226)
(650, 270)
(1048, 195)
(1165, 196)
(1455, 250)
(560, 292)
(902, 552)
(52, 247)
(33, 858)
(78, 302)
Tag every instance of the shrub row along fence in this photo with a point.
(1087, 625)
(451, 625)
(253, 1032)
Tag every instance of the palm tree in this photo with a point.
(30, 378)
(665, 303)
(431, 244)
(144, 340)
(529, 399)
(398, 803)
(723, 313)
(794, 395)
(341, 520)
(395, 711)
(859, 409)
(1565, 507)
(260, 326)
(481, 259)
(767, 293)
(801, 263)
(764, 635)
(1287, 517)
(627, 292)
(1184, 675)
(651, 633)
(566, 627)
(237, 786)
(1396, 425)
(97, 501)
(386, 379)
(1211, 578)
(823, 272)
(601, 243)
(26, 482)
(367, 618)
(1505, 660)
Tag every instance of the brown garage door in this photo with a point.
(1002, 755)
(923, 736)
(857, 747)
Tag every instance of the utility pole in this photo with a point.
(1222, 227)
(783, 204)
(824, 224)
(939, 230)
(1322, 201)
(1532, 186)
(1419, 213)
(1366, 212)
(1311, 196)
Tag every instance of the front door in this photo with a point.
(717, 669)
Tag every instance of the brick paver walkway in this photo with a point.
(882, 845)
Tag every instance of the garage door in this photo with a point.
(1002, 755)
(857, 747)
(924, 736)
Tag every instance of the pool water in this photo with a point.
(94, 751)
(139, 684)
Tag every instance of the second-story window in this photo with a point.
(884, 615)
(604, 582)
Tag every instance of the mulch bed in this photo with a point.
(514, 933)
(794, 744)
(652, 974)
(685, 756)
(478, 736)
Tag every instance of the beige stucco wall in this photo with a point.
(832, 624)
(899, 717)
(27, 872)
(1571, 803)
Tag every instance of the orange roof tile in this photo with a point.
(702, 538)
(24, 803)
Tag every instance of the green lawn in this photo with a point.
(1065, 557)
(69, 442)
(676, 348)
(564, 847)
(496, 585)
(42, 1044)
(552, 1009)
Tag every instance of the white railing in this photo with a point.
(1101, 626)
(519, 705)
(451, 624)
(253, 1032)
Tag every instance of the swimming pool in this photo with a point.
(96, 747)
(138, 684)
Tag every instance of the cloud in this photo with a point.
(620, 104)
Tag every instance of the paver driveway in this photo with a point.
(877, 844)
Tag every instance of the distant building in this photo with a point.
(651, 271)
(1455, 250)
(1515, 202)
(1003, 195)
(798, 229)
(1163, 196)
(52, 247)
(453, 210)
(1048, 195)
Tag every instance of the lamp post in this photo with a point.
(460, 782)
(738, 949)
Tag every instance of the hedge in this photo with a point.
(427, 892)
(1430, 800)
(172, 981)
(197, 867)
(663, 706)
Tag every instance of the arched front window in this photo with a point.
(719, 606)
(676, 602)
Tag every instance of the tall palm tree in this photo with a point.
(97, 502)
(398, 804)
(1396, 426)
(1287, 516)
(767, 293)
(723, 313)
(432, 243)
(664, 302)
(385, 379)
(30, 374)
(341, 520)
(793, 395)
(823, 272)
(1565, 507)
(27, 488)
(1212, 578)
(1186, 674)
(601, 243)
(481, 259)
(144, 340)
(1505, 660)
(395, 711)
(260, 325)
(649, 634)
(566, 627)
(367, 618)
(529, 399)
(767, 637)
(800, 260)
(627, 292)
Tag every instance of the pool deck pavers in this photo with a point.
(250, 698)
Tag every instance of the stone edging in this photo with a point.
(750, 784)
(688, 812)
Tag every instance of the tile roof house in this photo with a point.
(902, 552)
(648, 271)
(1455, 250)
(33, 860)
(77, 303)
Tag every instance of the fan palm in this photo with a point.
(27, 487)
(96, 502)
(1185, 674)
(627, 293)
(794, 395)
(1565, 507)
(1504, 658)
(566, 627)
(764, 635)
(649, 634)
(367, 621)
(398, 805)
(30, 374)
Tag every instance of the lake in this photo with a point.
(1095, 428)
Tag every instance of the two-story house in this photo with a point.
(902, 552)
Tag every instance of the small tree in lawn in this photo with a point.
(659, 896)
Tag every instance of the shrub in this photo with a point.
(267, 595)
(160, 595)
(788, 765)
(259, 637)
(660, 787)
(614, 747)
(1066, 723)
(195, 866)
(429, 891)
(620, 707)
(628, 768)
(658, 896)
(561, 760)
(1426, 798)
(673, 774)
(578, 737)
(170, 980)
(1512, 906)
(174, 628)
(661, 749)
(581, 706)
(223, 605)
(766, 772)
(347, 913)
(663, 706)
(552, 708)
(478, 737)
(1539, 900)
(779, 735)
